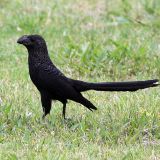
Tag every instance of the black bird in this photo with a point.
(54, 85)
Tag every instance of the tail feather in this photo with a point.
(82, 100)
(114, 86)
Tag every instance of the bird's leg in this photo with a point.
(45, 112)
(43, 116)
(64, 110)
(46, 104)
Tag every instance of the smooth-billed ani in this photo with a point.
(54, 85)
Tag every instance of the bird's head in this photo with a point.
(35, 45)
(31, 41)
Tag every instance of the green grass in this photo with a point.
(89, 40)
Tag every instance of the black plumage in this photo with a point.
(54, 85)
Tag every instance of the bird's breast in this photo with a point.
(33, 72)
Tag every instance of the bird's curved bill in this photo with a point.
(24, 40)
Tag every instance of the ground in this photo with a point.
(91, 40)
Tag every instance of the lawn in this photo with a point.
(90, 40)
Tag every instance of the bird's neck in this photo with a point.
(39, 52)
(38, 55)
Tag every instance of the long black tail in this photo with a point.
(114, 86)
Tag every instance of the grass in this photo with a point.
(89, 40)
